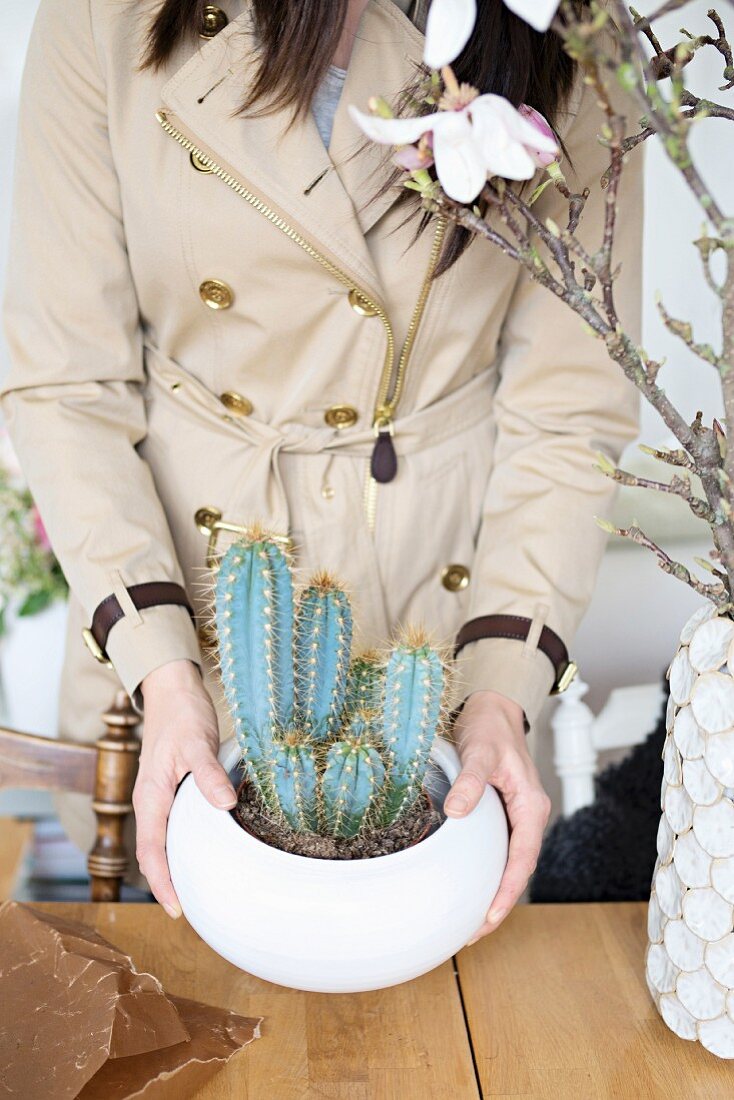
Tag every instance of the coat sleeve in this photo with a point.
(73, 400)
(560, 399)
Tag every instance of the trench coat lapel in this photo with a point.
(280, 165)
(386, 51)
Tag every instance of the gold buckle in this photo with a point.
(566, 678)
(209, 521)
(94, 647)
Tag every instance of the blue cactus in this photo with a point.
(350, 786)
(414, 685)
(254, 616)
(323, 642)
(360, 727)
(335, 745)
(365, 683)
(295, 781)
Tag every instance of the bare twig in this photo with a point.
(677, 486)
(717, 593)
(584, 277)
(672, 458)
(660, 115)
(684, 331)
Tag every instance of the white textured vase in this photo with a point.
(335, 926)
(690, 957)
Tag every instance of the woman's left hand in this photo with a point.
(491, 742)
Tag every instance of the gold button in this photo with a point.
(341, 416)
(455, 577)
(214, 20)
(199, 164)
(360, 304)
(236, 403)
(216, 294)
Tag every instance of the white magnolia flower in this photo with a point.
(450, 23)
(538, 13)
(448, 27)
(485, 137)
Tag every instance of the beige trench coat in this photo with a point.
(201, 311)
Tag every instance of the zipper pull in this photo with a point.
(384, 463)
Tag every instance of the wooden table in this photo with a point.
(553, 1005)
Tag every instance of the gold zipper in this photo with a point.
(389, 394)
(391, 381)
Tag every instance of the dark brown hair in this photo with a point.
(299, 39)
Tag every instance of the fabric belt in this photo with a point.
(259, 468)
(466, 407)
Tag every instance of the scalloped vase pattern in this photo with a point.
(689, 962)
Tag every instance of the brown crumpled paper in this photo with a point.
(78, 1020)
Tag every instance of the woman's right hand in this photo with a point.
(180, 735)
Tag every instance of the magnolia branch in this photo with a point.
(660, 115)
(672, 458)
(717, 593)
(684, 331)
(664, 9)
(677, 486)
(555, 257)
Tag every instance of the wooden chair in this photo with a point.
(105, 770)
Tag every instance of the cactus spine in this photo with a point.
(254, 614)
(336, 745)
(352, 778)
(295, 780)
(322, 645)
(366, 682)
(413, 689)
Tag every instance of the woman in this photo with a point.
(208, 318)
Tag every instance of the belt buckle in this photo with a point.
(209, 521)
(565, 679)
(95, 648)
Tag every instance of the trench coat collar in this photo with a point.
(279, 164)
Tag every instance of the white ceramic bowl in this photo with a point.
(335, 926)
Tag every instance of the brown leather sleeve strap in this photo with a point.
(148, 594)
(518, 626)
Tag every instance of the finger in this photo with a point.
(525, 841)
(507, 897)
(152, 805)
(465, 792)
(480, 933)
(213, 781)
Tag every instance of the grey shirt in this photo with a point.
(326, 100)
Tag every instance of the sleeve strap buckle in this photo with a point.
(109, 611)
(518, 627)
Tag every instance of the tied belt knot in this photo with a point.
(260, 478)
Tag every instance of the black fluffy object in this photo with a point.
(606, 851)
